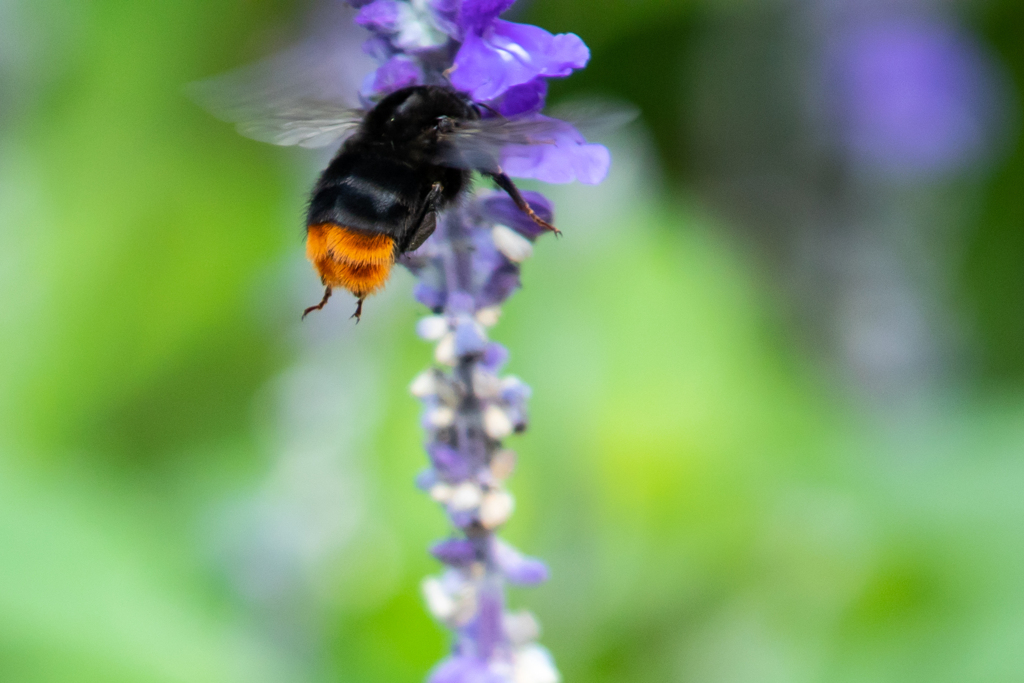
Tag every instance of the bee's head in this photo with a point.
(408, 114)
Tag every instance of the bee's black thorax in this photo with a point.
(382, 176)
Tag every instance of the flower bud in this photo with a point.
(514, 246)
(432, 328)
(445, 351)
(497, 423)
(425, 385)
(496, 508)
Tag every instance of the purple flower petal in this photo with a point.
(477, 15)
(500, 286)
(499, 208)
(460, 302)
(457, 552)
(490, 629)
(379, 48)
(426, 479)
(396, 73)
(517, 568)
(429, 296)
(566, 158)
(464, 669)
(486, 258)
(515, 392)
(913, 97)
(526, 98)
(448, 462)
(469, 338)
(379, 16)
(511, 54)
(462, 518)
(495, 357)
(446, 15)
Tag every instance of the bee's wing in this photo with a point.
(479, 145)
(307, 125)
(304, 96)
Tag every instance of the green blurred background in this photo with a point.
(778, 416)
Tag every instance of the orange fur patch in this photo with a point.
(345, 258)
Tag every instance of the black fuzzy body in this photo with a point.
(384, 179)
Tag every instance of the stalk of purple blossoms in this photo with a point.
(466, 270)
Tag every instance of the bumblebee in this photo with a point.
(409, 157)
(400, 164)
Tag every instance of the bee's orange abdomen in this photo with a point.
(346, 258)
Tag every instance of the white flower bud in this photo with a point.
(466, 496)
(441, 417)
(496, 508)
(510, 243)
(533, 665)
(453, 603)
(432, 328)
(502, 464)
(485, 384)
(425, 385)
(465, 607)
(488, 317)
(442, 493)
(497, 423)
(445, 351)
(522, 627)
(440, 604)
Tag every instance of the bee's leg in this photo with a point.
(323, 302)
(505, 183)
(426, 222)
(359, 311)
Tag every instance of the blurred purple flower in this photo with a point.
(398, 72)
(914, 97)
(380, 16)
(456, 551)
(516, 567)
(465, 670)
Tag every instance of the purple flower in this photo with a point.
(381, 16)
(495, 357)
(448, 462)
(913, 96)
(501, 55)
(517, 568)
(566, 158)
(466, 270)
(477, 15)
(465, 669)
(398, 72)
(455, 551)
(525, 98)
(500, 285)
(469, 338)
(431, 297)
(498, 207)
